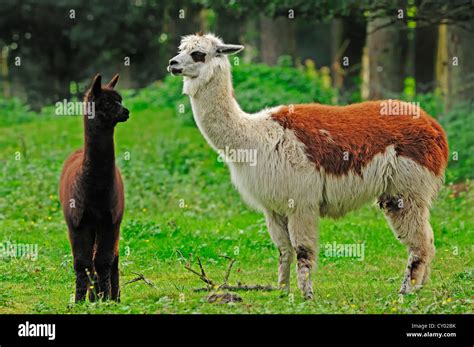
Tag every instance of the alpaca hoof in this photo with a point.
(307, 290)
(407, 289)
(403, 291)
(309, 295)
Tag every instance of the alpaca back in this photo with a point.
(336, 158)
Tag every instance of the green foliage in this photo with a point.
(432, 103)
(410, 87)
(14, 111)
(257, 86)
(460, 129)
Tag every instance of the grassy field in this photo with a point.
(179, 196)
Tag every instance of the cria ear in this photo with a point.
(97, 85)
(229, 49)
(113, 81)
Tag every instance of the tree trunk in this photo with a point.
(386, 51)
(460, 66)
(346, 54)
(277, 38)
(227, 26)
(4, 72)
(425, 47)
(441, 69)
(338, 47)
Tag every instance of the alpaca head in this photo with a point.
(200, 58)
(107, 103)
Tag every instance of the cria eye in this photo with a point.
(198, 56)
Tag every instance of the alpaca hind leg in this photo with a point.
(410, 223)
(278, 228)
(103, 261)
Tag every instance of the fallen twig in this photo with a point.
(140, 277)
(211, 285)
(229, 268)
(242, 287)
(201, 275)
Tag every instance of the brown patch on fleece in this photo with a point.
(340, 139)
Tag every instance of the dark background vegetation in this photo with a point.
(57, 50)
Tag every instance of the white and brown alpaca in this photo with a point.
(315, 160)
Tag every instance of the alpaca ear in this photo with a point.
(113, 81)
(97, 85)
(229, 49)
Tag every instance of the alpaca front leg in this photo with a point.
(82, 267)
(82, 241)
(304, 237)
(278, 228)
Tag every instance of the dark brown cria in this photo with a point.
(92, 196)
(341, 139)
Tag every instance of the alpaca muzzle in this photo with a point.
(123, 116)
(172, 67)
(175, 71)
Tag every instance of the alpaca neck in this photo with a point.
(216, 112)
(99, 155)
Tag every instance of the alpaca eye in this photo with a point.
(198, 56)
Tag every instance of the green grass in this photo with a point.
(170, 161)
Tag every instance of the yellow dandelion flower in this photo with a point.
(449, 300)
